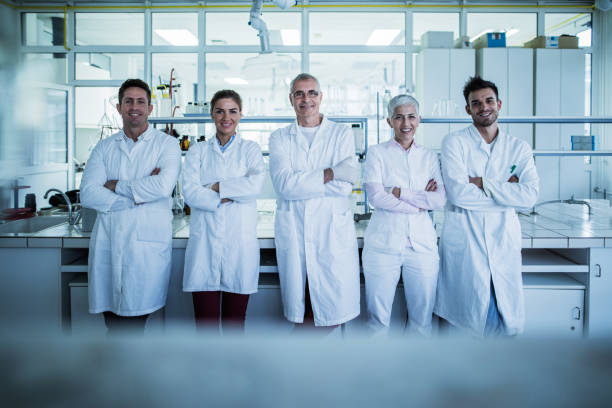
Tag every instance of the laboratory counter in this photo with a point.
(566, 257)
(555, 225)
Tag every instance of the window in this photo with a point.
(262, 80)
(109, 66)
(176, 29)
(109, 28)
(570, 24)
(44, 68)
(355, 94)
(519, 27)
(423, 22)
(234, 28)
(375, 29)
(42, 28)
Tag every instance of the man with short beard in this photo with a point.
(488, 176)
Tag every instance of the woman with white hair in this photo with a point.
(403, 182)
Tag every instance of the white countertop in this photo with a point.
(555, 226)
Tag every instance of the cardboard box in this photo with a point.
(437, 39)
(568, 41)
(543, 41)
(584, 143)
(490, 40)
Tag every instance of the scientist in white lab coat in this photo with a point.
(488, 175)
(221, 181)
(129, 179)
(313, 168)
(403, 181)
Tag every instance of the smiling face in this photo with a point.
(404, 122)
(134, 108)
(306, 99)
(483, 107)
(226, 114)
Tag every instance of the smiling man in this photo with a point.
(129, 179)
(313, 167)
(488, 176)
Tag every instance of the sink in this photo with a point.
(30, 225)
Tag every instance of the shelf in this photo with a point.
(78, 265)
(542, 260)
(555, 281)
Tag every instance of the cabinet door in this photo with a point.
(265, 311)
(599, 314)
(554, 312)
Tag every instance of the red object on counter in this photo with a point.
(12, 214)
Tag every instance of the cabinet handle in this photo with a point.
(598, 271)
(576, 313)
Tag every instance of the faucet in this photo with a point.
(72, 220)
(571, 200)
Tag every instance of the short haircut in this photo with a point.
(134, 83)
(226, 94)
(474, 84)
(401, 100)
(304, 77)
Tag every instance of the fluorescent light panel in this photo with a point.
(179, 37)
(236, 81)
(382, 37)
(290, 37)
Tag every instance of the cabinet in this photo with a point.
(554, 305)
(511, 69)
(441, 74)
(560, 91)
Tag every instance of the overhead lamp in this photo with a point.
(178, 37)
(236, 81)
(382, 37)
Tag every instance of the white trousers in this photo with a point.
(419, 272)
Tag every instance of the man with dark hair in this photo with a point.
(128, 179)
(488, 175)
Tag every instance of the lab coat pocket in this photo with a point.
(156, 226)
(343, 231)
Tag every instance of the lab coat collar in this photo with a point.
(145, 136)
(473, 131)
(214, 144)
(393, 144)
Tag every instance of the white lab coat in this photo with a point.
(390, 228)
(481, 235)
(223, 251)
(314, 228)
(130, 249)
(396, 221)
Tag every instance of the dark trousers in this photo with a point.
(210, 306)
(116, 324)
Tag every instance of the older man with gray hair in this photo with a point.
(402, 181)
(313, 168)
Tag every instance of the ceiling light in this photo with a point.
(236, 81)
(382, 37)
(179, 37)
(290, 37)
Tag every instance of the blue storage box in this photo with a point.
(490, 40)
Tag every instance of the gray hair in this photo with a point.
(401, 100)
(304, 77)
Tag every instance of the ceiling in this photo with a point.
(246, 2)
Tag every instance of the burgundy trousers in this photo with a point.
(210, 306)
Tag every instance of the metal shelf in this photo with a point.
(525, 119)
